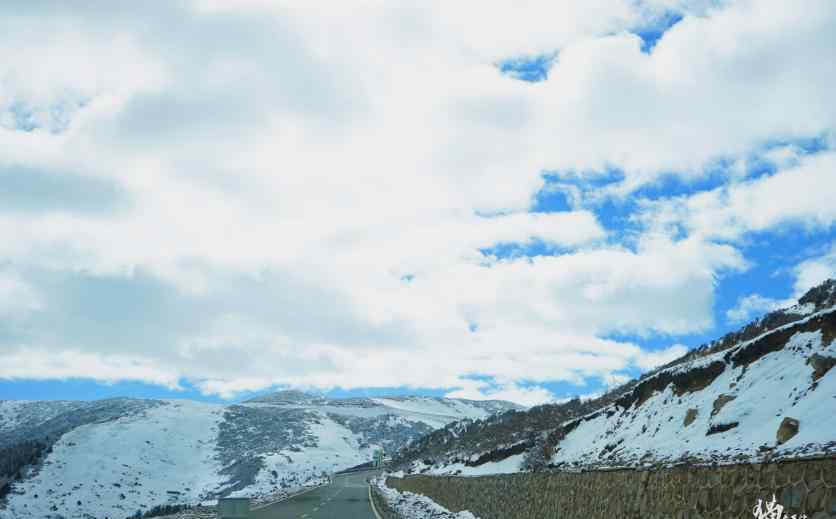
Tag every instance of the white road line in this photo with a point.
(371, 502)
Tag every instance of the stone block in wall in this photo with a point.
(817, 496)
(793, 495)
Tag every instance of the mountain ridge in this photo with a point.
(292, 396)
(793, 346)
(114, 457)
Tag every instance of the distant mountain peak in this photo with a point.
(272, 442)
(285, 395)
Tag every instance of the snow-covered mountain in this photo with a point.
(766, 391)
(112, 458)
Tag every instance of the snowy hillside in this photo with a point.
(113, 458)
(728, 406)
(767, 391)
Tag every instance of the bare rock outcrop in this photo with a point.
(720, 402)
(690, 416)
(821, 364)
(787, 429)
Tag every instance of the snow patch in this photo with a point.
(509, 465)
(415, 506)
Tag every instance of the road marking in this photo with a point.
(371, 502)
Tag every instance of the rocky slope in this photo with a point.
(766, 391)
(112, 458)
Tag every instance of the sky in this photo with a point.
(210, 199)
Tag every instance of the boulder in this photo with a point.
(721, 401)
(787, 429)
(690, 416)
(820, 364)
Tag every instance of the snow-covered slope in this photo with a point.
(766, 391)
(725, 407)
(115, 468)
(442, 408)
(113, 458)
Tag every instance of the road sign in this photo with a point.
(378, 458)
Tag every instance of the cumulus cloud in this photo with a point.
(482, 390)
(650, 360)
(41, 364)
(270, 194)
(813, 271)
(809, 273)
(614, 380)
(752, 305)
(799, 195)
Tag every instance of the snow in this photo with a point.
(507, 466)
(435, 409)
(338, 449)
(777, 385)
(805, 309)
(708, 359)
(415, 506)
(419, 467)
(759, 396)
(435, 412)
(165, 455)
(171, 453)
(28, 413)
(9, 413)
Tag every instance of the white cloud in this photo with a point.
(701, 95)
(40, 364)
(751, 306)
(650, 360)
(527, 396)
(800, 195)
(614, 380)
(287, 169)
(796, 198)
(815, 270)
(808, 274)
(16, 296)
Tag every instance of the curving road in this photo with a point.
(346, 498)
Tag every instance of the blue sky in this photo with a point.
(533, 203)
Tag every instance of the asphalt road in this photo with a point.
(346, 498)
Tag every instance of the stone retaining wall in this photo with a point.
(801, 486)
